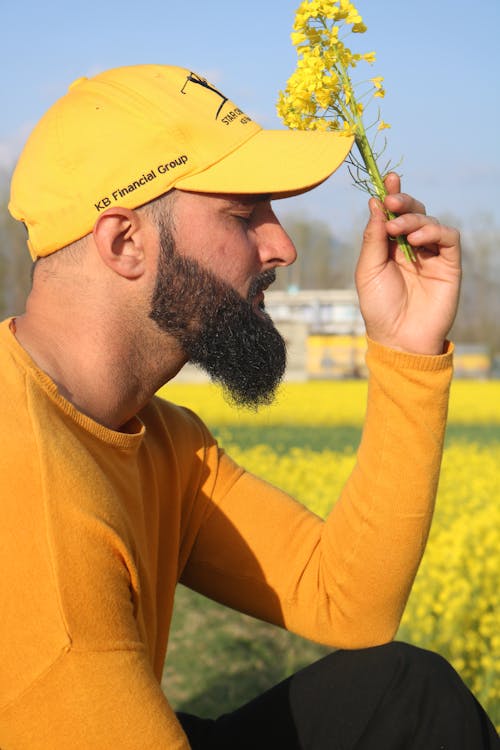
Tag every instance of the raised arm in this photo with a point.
(345, 581)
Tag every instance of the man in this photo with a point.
(146, 196)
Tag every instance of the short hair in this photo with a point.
(159, 210)
(49, 264)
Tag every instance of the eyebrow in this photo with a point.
(248, 198)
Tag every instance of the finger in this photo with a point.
(402, 203)
(392, 183)
(374, 249)
(398, 202)
(409, 222)
(445, 240)
(426, 232)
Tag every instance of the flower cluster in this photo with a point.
(454, 607)
(316, 96)
(320, 94)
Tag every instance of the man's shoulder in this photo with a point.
(15, 365)
(12, 381)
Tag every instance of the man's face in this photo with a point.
(214, 266)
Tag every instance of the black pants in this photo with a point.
(393, 697)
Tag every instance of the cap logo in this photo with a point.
(194, 78)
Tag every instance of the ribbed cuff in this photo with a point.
(407, 360)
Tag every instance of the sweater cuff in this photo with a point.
(408, 361)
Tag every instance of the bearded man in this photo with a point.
(147, 195)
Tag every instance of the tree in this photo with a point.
(323, 261)
(479, 309)
(15, 261)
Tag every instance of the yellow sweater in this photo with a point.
(97, 527)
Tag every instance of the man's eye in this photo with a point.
(245, 218)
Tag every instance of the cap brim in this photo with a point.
(280, 163)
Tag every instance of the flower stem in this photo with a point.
(369, 160)
(378, 183)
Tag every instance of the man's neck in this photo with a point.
(107, 378)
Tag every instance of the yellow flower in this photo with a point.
(323, 97)
(323, 72)
(321, 124)
(348, 129)
(297, 37)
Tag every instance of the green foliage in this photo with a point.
(219, 659)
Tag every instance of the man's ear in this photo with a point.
(120, 236)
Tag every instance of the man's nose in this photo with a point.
(274, 245)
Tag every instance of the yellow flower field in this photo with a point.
(306, 442)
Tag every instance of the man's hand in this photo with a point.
(405, 305)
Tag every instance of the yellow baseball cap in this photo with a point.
(130, 134)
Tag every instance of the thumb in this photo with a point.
(375, 247)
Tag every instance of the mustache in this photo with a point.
(261, 282)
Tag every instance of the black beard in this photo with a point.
(218, 329)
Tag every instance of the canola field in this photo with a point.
(306, 443)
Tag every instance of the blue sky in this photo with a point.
(438, 58)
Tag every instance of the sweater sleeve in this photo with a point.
(344, 581)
